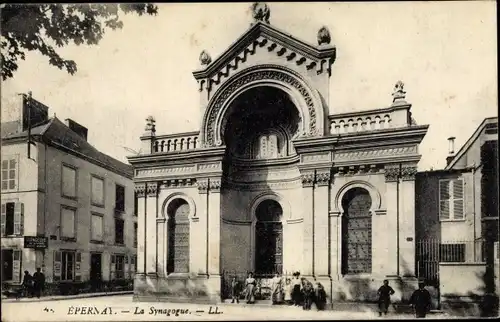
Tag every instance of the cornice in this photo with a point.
(180, 157)
(257, 31)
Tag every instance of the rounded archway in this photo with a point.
(356, 232)
(178, 236)
(268, 238)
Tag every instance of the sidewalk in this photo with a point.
(64, 297)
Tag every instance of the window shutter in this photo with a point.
(126, 267)
(16, 266)
(444, 199)
(18, 218)
(458, 199)
(112, 267)
(57, 265)
(78, 261)
(4, 217)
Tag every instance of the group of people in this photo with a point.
(33, 285)
(299, 291)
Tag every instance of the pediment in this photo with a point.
(265, 37)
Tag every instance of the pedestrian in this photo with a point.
(277, 289)
(384, 297)
(27, 284)
(420, 300)
(39, 282)
(320, 296)
(235, 295)
(296, 291)
(307, 293)
(250, 287)
(288, 291)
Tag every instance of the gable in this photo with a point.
(264, 37)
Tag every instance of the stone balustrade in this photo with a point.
(370, 120)
(176, 142)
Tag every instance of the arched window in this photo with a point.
(269, 238)
(267, 147)
(356, 232)
(178, 236)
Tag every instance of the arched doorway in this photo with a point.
(268, 238)
(356, 232)
(178, 236)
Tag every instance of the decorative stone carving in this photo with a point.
(140, 189)
(399, 94)
(257, 75)
(162, 171)
(261, 12)
(356, 155)
(209, 166)
(292, 184)
(391, 174)
(408, 173)
(150, 124)
(202, 185)
(323, 178)
(176, 183)
(151, 189)
(307, 179)
(215, 185)
(205, 58)
(309, 158)
(324, 37)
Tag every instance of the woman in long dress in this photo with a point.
(288, 291)
(277, 289)
(250, 285)
(296, 291)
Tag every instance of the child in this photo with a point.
(384, 297)
(234, 291)
(288, 291)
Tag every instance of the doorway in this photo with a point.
(95, 270)
(269, 238)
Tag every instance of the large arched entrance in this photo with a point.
(268, 238)
(356, 232)
(178, 236)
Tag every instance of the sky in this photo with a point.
(444, 52)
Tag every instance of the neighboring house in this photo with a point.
(66, 207)
(457, 212)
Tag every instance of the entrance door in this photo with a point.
(269, 238)
(95, 269)
(7, 260)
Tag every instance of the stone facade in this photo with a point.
(267, 138)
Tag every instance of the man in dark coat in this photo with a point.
(307, 293)
(384, 297)
(421, 300)
(27, 284)
(39, 282)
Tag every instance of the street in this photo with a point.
(122, 308)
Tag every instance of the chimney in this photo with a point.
(451, 150)
(77, 128)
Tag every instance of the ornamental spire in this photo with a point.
(261, 12)
(324, 37)
(399, 94)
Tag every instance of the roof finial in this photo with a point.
(324, 36)
(150, 124)
(261, 12)
(399, 94)
(205, 58)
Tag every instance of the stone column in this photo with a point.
(407, 218)
(214, 225)
(151, 214)
(308, 206)
(321, 224)
(335, 244)
(141, 229)
(162, 237)
(202, 209)
(391, 240)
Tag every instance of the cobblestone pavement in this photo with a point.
(122, 308)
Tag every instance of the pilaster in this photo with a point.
(321, 223)
(214, 226)
(151, 214)
(392, 195)
(162, 238)
(203, 211)
(335, 244)
(407, 212)
(140, 189)
(308, 208)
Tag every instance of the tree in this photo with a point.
(27, 27)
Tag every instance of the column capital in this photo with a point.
(152, 189)
(408, 172)
(307, 179)
(202, 185)
(140, 189)
(323, 177)
(215, 184)
(391, 173)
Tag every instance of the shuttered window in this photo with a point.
(9, 175)
(117, 267)
(97, 187)
(97, 227)
(17, 266)
(68, 223)
(451, 199)
(12, 219)
(68, 182)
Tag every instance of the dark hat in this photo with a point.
(421, 281)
